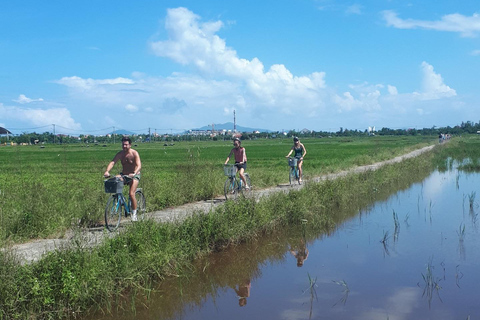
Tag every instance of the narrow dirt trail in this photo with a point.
(34, 250)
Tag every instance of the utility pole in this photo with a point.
(234, 122)
(54, 135)
(113, 135)
(149, 135)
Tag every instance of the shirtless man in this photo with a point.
(132, 165)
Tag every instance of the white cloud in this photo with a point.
(392, 90)
(23, 99)
(401, 305)
(40, 117)
(475, 53)
(131, 108)
(466, 26)
(78, 82)
(194, 43)
(433, 86)
(354, 9)
(367, 98)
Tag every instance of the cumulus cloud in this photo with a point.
(392, 90)
(23, 99)
(466, 26)
(40, 117)
(194, 43)
(367, 98)
(433, 86)
(131, 108)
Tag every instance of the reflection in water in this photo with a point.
(384, 241)
(431, 283)
(243, 292)
(346, 291)
(313, 293)
(301, 254)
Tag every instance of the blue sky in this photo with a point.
(89, 66)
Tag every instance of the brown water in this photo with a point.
(415, 255)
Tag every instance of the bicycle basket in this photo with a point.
(230, 171)
(113, 185)
(292, 162)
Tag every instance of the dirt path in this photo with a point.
(34, 250)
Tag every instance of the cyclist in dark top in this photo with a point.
(300, 153)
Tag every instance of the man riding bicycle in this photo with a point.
(131, 166)
(240, 160)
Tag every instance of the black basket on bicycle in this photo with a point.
(292, 162)
(114, 185)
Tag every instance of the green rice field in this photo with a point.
(46, 190)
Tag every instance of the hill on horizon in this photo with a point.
(229, 126)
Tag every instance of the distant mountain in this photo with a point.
(123, 132)
(229, 126)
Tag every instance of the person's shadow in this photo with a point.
(243, 292)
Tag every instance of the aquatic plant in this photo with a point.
(397, 226)
(471, 199)
(461, 232)
(431, 283)
(407, 216)
(346, 291)
(313, 292)
(458, 275)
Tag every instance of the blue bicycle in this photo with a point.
(117, 203)
(294, 173)
(233, 185)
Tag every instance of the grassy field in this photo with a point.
(45, 191)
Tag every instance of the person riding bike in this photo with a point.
(131, 166)
(300, 153)
(240, 160)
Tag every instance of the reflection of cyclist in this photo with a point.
(302, 253)
(131, 166)
(300, 153)
(240, 160)
(243, 292)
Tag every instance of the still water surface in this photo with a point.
(415, 255)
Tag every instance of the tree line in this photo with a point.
(50, 138)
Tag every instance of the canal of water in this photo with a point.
(415, 255)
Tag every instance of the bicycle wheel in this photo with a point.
(141, 204)
(230, 188)
(291, 176)
(113, 213)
